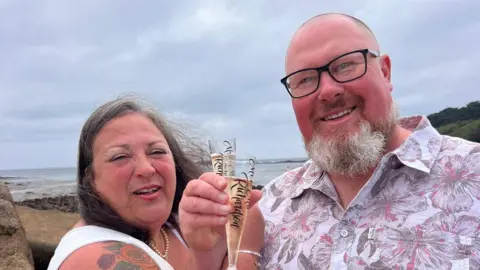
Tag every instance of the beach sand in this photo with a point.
(47, 219)
(46, 226)
(47, 213)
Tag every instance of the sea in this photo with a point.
(48, 182)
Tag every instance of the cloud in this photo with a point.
(212, 65)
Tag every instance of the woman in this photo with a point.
(131, 174)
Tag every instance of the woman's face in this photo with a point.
(134, 171)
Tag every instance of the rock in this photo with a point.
(5, 193)
(9, 222)
(15, 252)
(65, 203)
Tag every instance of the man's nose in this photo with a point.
(329, 89)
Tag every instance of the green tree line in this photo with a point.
(461, 122)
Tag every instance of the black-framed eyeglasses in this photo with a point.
(344, 68)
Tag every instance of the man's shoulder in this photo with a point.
(459, 157)
(286, 179)
(283, 185)
(458, 146)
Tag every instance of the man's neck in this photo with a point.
(348, 187)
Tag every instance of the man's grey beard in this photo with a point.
(356, 154)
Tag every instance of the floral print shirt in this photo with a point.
(419, 210)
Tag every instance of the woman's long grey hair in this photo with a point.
(188, 154)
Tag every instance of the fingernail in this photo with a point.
(221, 182)
(225, 209)
(222, 197)
(222, 220)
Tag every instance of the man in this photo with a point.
(377, 193)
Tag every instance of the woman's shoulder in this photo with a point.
(109, 255)
(92, 247)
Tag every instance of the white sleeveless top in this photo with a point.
(82, 236)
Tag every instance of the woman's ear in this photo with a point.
(89, 176)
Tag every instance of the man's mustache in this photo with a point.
(324, 107)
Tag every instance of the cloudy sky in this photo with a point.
(215, 65)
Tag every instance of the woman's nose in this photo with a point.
(143, 167)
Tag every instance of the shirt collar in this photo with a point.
(419, 152)
(311, 174)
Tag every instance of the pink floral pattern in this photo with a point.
(319, 257)
(450, 145)
(420, 210)
(417, 247)
(274, 266)
(410, 151)
(300, 222)
(272, 241)
(459, 182)
(393, 205)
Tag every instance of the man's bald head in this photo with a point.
(327, 27)
(318, 20)
(357, 21)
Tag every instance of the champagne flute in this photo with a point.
(222, 153)
(239, 172)
(239, 188)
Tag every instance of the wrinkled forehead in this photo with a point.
(130, 125)
(320, 41)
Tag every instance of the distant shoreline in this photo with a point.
(282, 161)
(259, 161)
(8, 177)
(44, 183)
(65, 203)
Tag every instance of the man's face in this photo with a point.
(367, 101)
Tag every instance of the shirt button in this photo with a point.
(344, 233)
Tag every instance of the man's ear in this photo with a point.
(386, 66)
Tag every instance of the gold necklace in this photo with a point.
(165, 241)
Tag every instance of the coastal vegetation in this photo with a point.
(463, 122)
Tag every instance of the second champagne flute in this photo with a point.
(239, 188)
